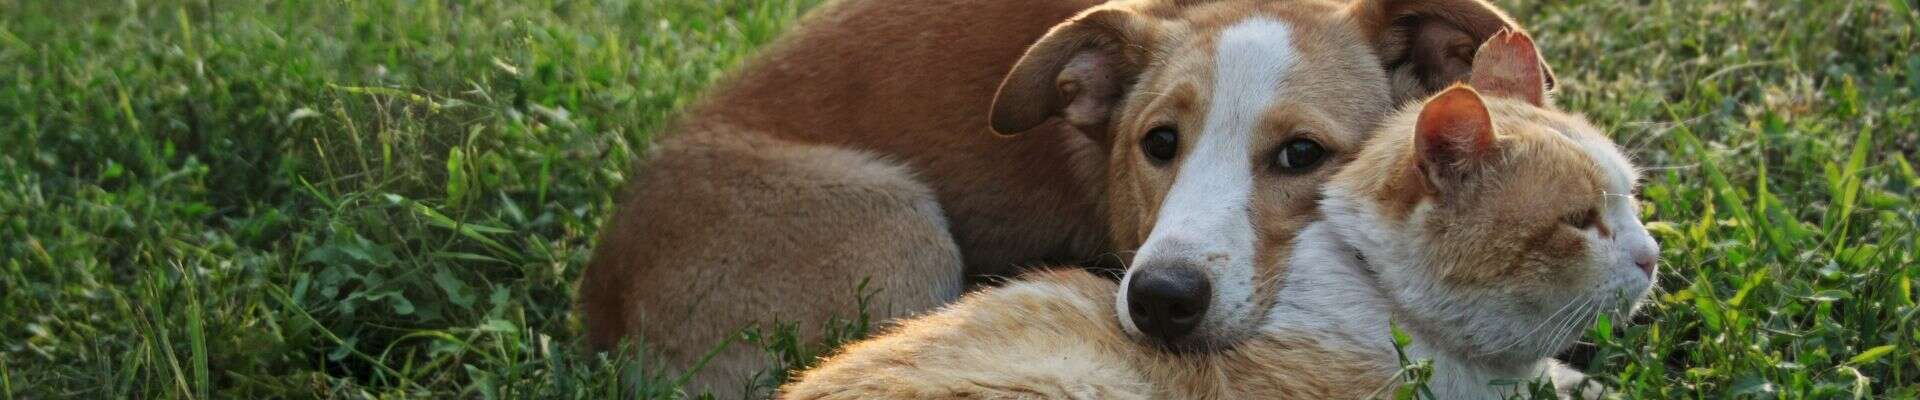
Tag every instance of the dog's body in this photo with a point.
(858, 149)
(834, 158)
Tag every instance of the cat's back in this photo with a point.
(1050, 335)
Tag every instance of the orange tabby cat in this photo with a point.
(1489, 227)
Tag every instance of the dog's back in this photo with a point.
(913, 81)
(856, 147)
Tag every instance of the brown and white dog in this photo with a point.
(857, 149)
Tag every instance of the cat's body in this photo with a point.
(1334, 297)
(1493, 251)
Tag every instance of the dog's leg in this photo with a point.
(727, 231)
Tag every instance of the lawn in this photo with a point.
(392, 198)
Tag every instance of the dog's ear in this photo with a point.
(1079, 71)
(1426, 45)
(1509, 66)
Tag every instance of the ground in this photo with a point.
(392, 198)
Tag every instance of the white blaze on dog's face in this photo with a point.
(1221, 119)
(1226, 163)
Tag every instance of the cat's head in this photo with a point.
(1498, 226)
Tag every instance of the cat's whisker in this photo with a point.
(1573, 317)
(1585, 318)
(1571, 328)
(1120, 257)
(1516, 340)
(1272, 280)
(1670, 167)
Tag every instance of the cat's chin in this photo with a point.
(1626, 291)
(1526, 351)
(1567, 316)
(1489, 330)
(1549, 334)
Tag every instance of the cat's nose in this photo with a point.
(1167, 302)
(1647, 261)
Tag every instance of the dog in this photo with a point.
(862, 147)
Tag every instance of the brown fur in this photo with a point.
(716, 233)
(858, 147)
(841, 208)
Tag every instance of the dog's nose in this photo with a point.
(1168, 302)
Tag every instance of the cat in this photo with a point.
(1487, 226)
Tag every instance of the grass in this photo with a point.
(392, 198)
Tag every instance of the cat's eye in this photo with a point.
(1160, 144)
(1299, 155)
(1584, 220)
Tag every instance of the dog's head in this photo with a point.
(1221, 120)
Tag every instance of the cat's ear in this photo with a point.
(1454, 133)
(1509, 66)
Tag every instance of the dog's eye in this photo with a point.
(1584, 220)
(1299, 155)
(1160, 144)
